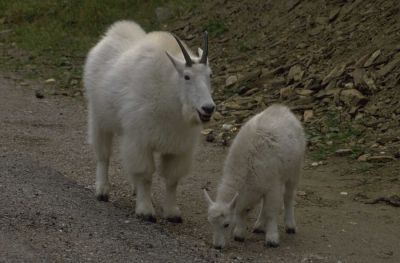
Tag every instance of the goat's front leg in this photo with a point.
(138, 164)
(239, 231)
(259, 226)
(144, 206)
(173, 168)
(244, 204)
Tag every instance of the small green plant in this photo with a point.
(319, 154)
(364, 167)
(216, 28)
(244, 46)
(331, 134)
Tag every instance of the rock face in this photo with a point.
(335, 63)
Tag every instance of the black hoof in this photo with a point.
(291, 230)
(148, 218)
(218, 247)
(258, 231)
(272, 244)
(239, 239)
(175, 219)
(102, 197)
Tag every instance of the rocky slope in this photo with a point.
(335, 63)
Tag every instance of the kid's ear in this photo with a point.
(208, 198)
(179, 65)
(232, 204)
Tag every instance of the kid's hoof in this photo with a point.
(148, 218)
(291, 230)
(218, 247)
(175, 219)
(102, 197)
(272, 244)
(258, 231)
(239, 239)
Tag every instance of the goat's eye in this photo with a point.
(187, 77)
(226, 225)
(211, 76)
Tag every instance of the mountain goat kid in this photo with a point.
(155, 93)
(263, 163)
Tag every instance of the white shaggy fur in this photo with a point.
(137, 87)
(263, 163)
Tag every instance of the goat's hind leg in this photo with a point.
(271, 210)
(102, 142)
(290, 222)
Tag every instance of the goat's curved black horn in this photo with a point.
(203, 59)
(188, 60)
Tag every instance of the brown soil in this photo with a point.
(44, 139)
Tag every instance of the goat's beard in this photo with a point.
(190, 115)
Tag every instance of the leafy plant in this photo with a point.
(333, 133)
(216, 28)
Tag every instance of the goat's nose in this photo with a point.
(208, 109)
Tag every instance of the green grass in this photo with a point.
(339, 132)
(364, 167)
(57, 34)
(216, 28)
(243, 46)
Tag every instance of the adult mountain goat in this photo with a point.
(155, 93)
(263, 163)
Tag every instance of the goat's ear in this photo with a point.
(200, 52)
(179, 65)
(232, 204)
(208, 198)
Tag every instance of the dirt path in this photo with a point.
(48, 211)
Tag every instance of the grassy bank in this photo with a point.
(50, 38)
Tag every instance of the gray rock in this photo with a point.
(390, 66)
(231, 80)
(304, 92)
(296, 73)
(286, 92)
(333, 14)
(343, 152)
(352, 97)
(372, 58)
(336, 72)
(308, 115)
(381, 159)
